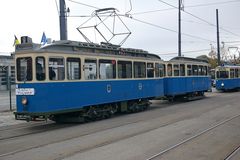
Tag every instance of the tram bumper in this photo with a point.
(29, 117)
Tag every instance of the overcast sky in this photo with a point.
(33, 17)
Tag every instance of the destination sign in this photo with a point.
(25, 91)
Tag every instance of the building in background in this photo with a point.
(7, 72)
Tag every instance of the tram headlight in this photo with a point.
(24, 100)
(222, 84)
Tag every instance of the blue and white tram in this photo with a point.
(74, 80)
(186, 78)
(227, 77)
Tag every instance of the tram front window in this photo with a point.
(222, 74)
(24, 69)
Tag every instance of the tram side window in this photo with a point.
(169, 70)
(24, 69)
(176, 69)
(182, 70)
(163, 70)
(107, 69)
(200, 70)
(90, 69)
(124, 69)
(189, 70)
(231, 73)
(40, 69)
(159, 70)
(139, 70)
(150, 70)
(73, 68)
(205, 69)
(236, 73)
(56, 69)
(195, 70)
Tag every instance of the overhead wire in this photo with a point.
(130, 1)
(153, 11)
(158, 26)
(57, 7)
(148, 23)
(87, 5)
(191, 51)
(191, 6)
(171, 30)
(215, 3)
(82, 16)
(232, 42)
(199, 23)
(201, 19)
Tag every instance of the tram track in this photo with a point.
(21, 126)
(46, 127)
(32, 128)
(20, 130)
(143, 132)
(89, 132)
(29, 130)
(194, 137)
(98, 130)
(115, 140)
(233, 153)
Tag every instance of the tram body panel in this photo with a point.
(184, 85)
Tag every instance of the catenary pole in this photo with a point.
(63, 20)
(179, 29)
(218, 43)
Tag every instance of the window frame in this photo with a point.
(44, 68)
(169, 70)
(79, 67)
(18, 62)
(218, 74)
(176, 69)
(101, 61)
(182, 68)
(143, 74)
(159, 70)
(189, 70)
(58, 74)
(236, 73)
(119, 62)
(232, 73)
(95, 77)
(195, 70)
(150, 69)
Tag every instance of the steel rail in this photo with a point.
(193, 137)
(232, 154)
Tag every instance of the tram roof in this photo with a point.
(229, 66)
(74, 47)
(188, 59)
